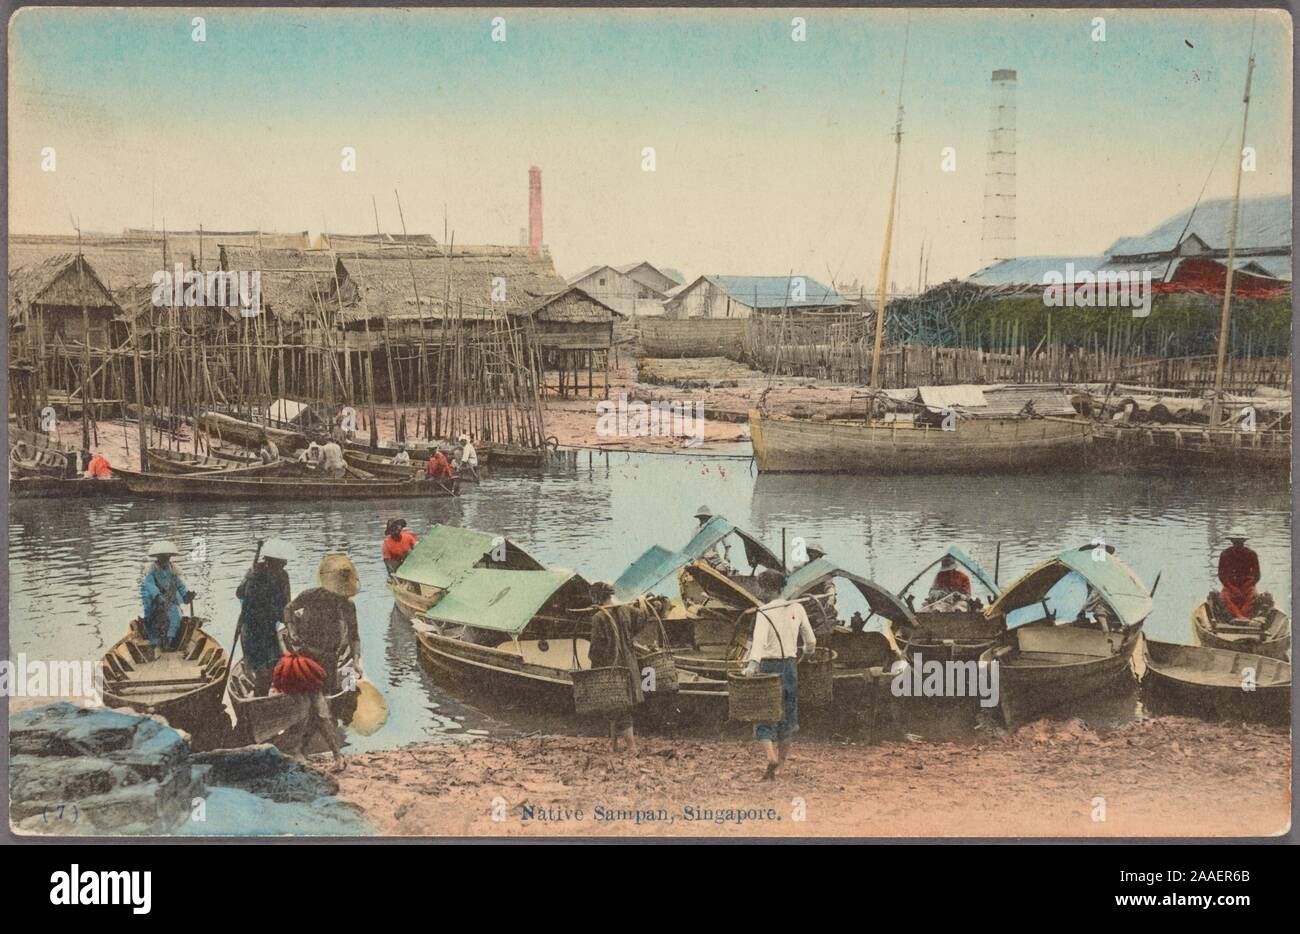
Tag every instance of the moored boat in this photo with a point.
(237, 485)
(381, 466)
(162, 460)
(1222, 682)
(184, 685)
(266, 718)
(249, 434)
(969, 445)
(950, 628)
(1043, 666)
(1269, 636)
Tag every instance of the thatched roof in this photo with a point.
(36, 282)
(294, 282)
(388, 282)
(574, 305)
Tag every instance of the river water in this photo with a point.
(75, 565)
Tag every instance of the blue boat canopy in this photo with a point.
(882, 602)
(967, 562)
(1121, 589)
(656, 562)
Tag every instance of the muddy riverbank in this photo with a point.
(1165, 776)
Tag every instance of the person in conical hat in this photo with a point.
(704, 514)
(263, 595)
(321, 624)
(161, 594)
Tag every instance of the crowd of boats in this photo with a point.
(494, 624)
(241, 459)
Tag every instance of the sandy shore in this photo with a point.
(1167, 776)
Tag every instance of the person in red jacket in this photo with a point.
(1239, 573)
(98, 468)
(398, 542)
(438, 468)
(950, 579)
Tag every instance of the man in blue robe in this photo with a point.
(161, 594)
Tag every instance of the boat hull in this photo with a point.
(1043, 669)
(205, 486)
(1212, 681)
(1275, 642)
(793, 445)
(184, 686)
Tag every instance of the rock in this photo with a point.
(37, 783)
(264, 770)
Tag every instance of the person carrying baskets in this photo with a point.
(779, 627)
(612, 629)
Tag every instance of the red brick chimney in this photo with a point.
(534, 211)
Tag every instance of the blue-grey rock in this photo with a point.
(264, 770)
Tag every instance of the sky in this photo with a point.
(771, 156)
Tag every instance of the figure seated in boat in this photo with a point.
(950, 591)
(1096, 613)
(1239, 573)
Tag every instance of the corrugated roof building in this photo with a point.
(746, 296)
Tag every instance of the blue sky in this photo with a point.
(771, 154)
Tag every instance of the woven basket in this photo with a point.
(754, 698)
(817, 678)
(602, 690)
(665, 670)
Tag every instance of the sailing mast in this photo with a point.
(1225, 318)
(882, 294)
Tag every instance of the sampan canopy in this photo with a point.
(882, 602)
(1114, 580)
(657, 562)
(445, 552)
(500, 600)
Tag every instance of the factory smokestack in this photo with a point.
(999, 240)
(534, 211)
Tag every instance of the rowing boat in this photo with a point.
(1269, 636)
(381, 466)
(960, 635)
(1043, 666)
(161, 460)
(229, 486)
(265, 718)
(1219, 681)
(41, 487)
(184, 686)
(250, 434)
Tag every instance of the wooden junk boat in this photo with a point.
(1043, 665)
(238, 485)
(1222, 682)
(184, 685)
(948, 429)
(1161, 447)
(959, 635)
(1269, 635)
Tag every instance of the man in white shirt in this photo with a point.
(468, 455)
(779, 627)
(402, 458)
(331, 459)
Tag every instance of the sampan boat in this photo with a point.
(184, 685)
(249, 434)
(229, 485)
(959, 635)
(442, 554)
(1269, 636)
(1043, 666)
(265, 718)
(380, 466)
(162, 460)
(1222, 682)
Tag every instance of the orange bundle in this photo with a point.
(297, 674)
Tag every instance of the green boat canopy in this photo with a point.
(882, 602)
(657, 562)
(1113, 580)
(445, 552)
(500, 600)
